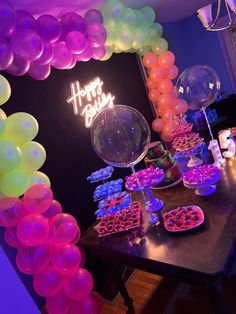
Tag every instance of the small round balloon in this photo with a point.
(120, 136)
(199, 86)
(5, 90)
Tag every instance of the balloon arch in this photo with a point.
(45, 237)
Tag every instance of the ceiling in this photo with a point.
(166, 10)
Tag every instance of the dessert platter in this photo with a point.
(108, 188)
(101, 174)
(202, 179)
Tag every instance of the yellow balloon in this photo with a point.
(10, 155)
(109, 52)
(5, 90)
(14, 183)
(39, 177)
(33, 157)
(21, 127)
(2, 121)
(159, 45)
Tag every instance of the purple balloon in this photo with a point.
(11, 238)
(62, 56)
(99, 52)
(19, 66)
(6, 55)
(96, 34)
(73, 22)
(86, 55)
(39, 71)
(73, 62)
(49, 28)
(7, 18)
(25, 20)
(75, 41)
(93, 16)
(26, 44)
(47, 55)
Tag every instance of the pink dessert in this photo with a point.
(201, 174)
(183, 218)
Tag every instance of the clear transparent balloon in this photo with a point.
(120, 135)
(199, 86)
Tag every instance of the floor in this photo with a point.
(155, 295)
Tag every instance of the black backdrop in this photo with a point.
(70, 156)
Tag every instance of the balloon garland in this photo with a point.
(44, 236)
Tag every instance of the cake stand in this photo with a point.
(202, 179)
(144, 180)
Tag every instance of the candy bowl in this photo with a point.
(202, 179)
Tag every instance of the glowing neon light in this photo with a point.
(90, 100)
(227, 143)
(215, 149)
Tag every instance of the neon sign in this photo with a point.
(90, 100)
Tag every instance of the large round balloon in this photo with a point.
(120, 135)
(199, 86)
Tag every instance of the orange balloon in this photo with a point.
(151, 84)
(157, 125)
(157, 74)
(173, 72)
(168, 129)
(174, 93)
(168, 115)
(150, 59)
(181, 106)
(153, 94)
(165, 86)
(159, 111)
(166, 138)
(166, 59)
(166, 101)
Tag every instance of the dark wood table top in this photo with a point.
(204, 253)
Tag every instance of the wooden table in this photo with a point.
(204, 255)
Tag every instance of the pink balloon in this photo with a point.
(181, 106)
(99, 52)
(47, 54)
(18, 66)
(62, 56)
(93, 16)
(33, 229)
(11, 211)
(166, 59)
(79, 284)
(39, 71)
(38, 198)
(172, 72)
(82, 260)
(86, 55)
(48, 282)
(6, 55)
(75, 41)
(63, 229)
(168, 115)
(157, 125)
(166, 101)
(26, 44)
(59, 303)
(165, 86)
(76, 238)
(96, 34)
(25, 20)
(73, 22)
(32, 260)
(7, 18)
(49, 28)
(168, 129)
(86, 306)
(55, 208)
(66, 259)
(11, 238)
(73, 62)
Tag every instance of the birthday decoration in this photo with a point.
(227, 142)
(45, 238)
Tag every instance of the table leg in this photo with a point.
(128, 301)
(216, 293)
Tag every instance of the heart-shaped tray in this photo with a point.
(183, 218)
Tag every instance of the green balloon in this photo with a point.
(39, 177)
(109, 52)
(113, 12)
(139, 19)
(159, 45)
(14, 183)
(21, 127)
(129, 16)
(140, 38)
(33, 157)
(111, 35)
(2, 121)
(142, 51)
(158, 28)
(124, 39)
(149, 15)
(10, 155)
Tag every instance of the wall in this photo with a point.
(192, 45)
